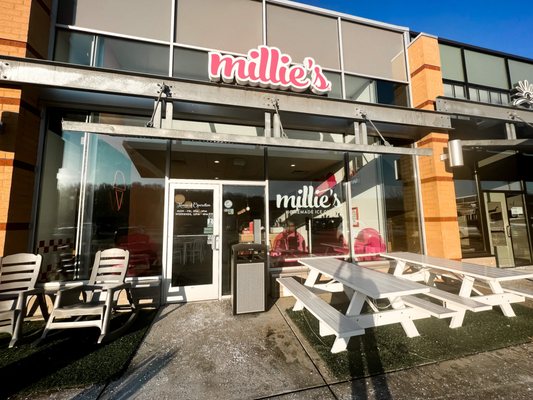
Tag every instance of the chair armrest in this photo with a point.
(9, 296)
(20, 297)
(70, 295)
(116, 286)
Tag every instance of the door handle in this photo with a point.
(216, 243)
(508, 228)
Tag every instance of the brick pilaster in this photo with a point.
(24, 31)
(438, 192)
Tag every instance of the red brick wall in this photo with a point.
(24, 32)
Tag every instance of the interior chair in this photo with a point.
(92, 304)
(18, 275)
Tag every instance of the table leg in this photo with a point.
(408, 325)
(400, 267)
(340, 344)
(354, 308)
(356, 304)
(311, 278)
(465, 291)
(507, 310)
(430, 278)
(310, 282)
(466, 286)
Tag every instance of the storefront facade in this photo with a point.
(311, 132)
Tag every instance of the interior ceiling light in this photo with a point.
(293, 165)
(217, 162)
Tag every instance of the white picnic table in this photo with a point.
(467, 273)
(360, 285)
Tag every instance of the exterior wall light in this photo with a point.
(455, 153)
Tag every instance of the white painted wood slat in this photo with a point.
(375, 284)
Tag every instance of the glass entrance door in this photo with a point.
(193, 242)
(507, 226)
(517, 230)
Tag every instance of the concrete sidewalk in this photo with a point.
(201, 351)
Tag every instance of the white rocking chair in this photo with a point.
(18, 275)
(100, 297)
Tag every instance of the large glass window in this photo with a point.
(367, 212)
(307, 203)
(124, 176)
(451, 63)
(403, 233)
(486, 70)
(302, 34)
(230, 25)
(128, 55)
(190, 64)
(197, 160)
(147, 19)
(520, 71)
(57, 222)
(392, 93)
(73, 47)
(360, 89)
(373, 51)
(469, 216)
(336, 84)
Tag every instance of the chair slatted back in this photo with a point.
(109, 266)
(19, 272)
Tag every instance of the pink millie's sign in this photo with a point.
(268, 67)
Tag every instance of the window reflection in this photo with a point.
(124, 175)
(367, 206)
(307, 203)
(73, 47)
(401, 207)
(129, 55)
(56, 232)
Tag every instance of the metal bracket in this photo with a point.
(164, 92)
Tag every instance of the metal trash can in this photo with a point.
(248, 278)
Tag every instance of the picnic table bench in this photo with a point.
(467, 273)
(361, 285)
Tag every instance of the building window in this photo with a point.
(233, 26)
(73, 47)
(486, 70)
(401, 205)
(124, 174)
(452, 63)
(488, 96)
(520, 71)
(367, 208)
(469, 217)
(307, 203)
(139, 18)
(197, 160)
(360, 89)
(336, 84)
(190, 64)
(392, 93)
(298, 32)
(373, 51)
(453, 90)
(61, 178)
(129, 55)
